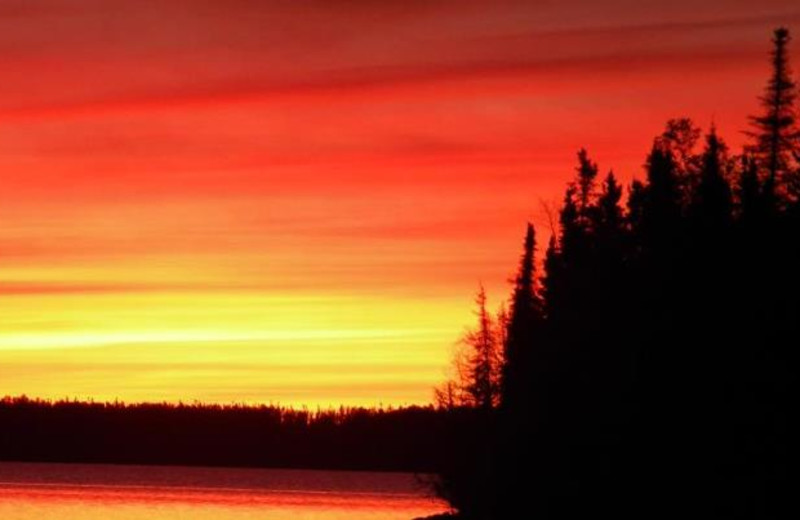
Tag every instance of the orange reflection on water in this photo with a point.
(88, 503)
(64, 492)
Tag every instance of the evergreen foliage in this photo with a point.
(652, 377)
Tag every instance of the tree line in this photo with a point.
(647, 371)
(391, 439)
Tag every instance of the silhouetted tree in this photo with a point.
(712, 204)
(478, 362)
(483, 358)
(611, 216)
(663, 200)
(449, 395)
(775, 131)
(654, 377)
(680, 138)
(524, 315)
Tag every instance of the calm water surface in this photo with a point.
(95, 491)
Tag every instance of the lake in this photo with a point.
(99, 491)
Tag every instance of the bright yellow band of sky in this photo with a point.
(224, 347)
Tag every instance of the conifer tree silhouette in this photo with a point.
(776, 135)
(653, 377)
(524, 315)
(712, 204)
(482, 385)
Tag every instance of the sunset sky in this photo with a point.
(294, 202)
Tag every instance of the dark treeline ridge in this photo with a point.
(647, 372)
(395, 439)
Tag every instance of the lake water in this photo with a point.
(108, 492)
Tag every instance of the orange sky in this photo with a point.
(294, 202)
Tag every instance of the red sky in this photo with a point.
(295, 201)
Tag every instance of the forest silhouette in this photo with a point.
(403, 439)
(646, 373)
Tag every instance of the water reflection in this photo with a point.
(88, 492)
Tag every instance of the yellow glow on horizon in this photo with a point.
(226, 346)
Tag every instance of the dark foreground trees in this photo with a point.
(650, 375)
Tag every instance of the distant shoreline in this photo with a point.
(185, 466)
(391, 440)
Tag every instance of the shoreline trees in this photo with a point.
(650, 375)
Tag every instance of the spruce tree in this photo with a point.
(662, 204)
(776, 133)
(524, 313)
(481, 384)
(711, 206)
(610, 211)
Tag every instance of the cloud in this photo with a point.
(148, 55)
